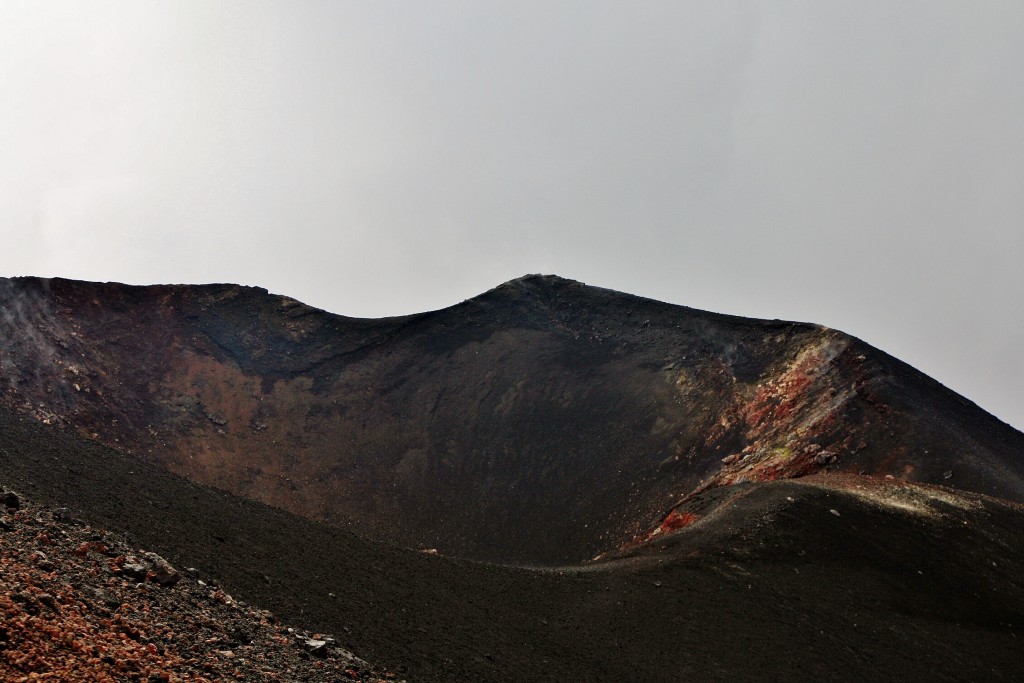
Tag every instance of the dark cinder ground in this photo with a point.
(778, 581)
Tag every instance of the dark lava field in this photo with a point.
(547, 482)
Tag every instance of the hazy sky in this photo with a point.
(856, 164)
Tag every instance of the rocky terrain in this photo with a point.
(659, 493)
(79, 604)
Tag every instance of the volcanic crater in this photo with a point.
(608, 486)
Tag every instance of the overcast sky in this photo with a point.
(856, 164)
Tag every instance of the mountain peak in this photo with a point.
(535, 281)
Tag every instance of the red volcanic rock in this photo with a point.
(82, 616)
(677, 520)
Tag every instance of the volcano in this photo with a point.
(549, 481)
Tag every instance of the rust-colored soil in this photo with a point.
(70, 611)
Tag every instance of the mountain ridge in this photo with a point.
(542, 401)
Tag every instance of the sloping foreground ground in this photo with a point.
(78, 605)
(823, 579)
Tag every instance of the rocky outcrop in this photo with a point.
(79, 604)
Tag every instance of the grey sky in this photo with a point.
(856, 164)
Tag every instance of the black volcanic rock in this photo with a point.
(543, 404)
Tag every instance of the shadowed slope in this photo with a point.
(543, 404)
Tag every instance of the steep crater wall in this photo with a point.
(540, 405)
